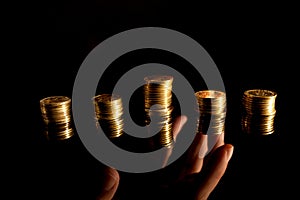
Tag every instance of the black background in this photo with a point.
(253, 46)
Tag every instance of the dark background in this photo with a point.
(253, 46)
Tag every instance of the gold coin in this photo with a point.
(158, 104)
(56, 115)
(109, 114)
(258, 111)
(212, 111)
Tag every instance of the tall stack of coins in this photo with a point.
(56, 114)
(258, 111)
(109, 114)
(158, 105)
(212, 111)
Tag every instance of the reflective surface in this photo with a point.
(249, 52)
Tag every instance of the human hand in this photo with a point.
(198, 175)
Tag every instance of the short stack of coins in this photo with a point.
(258, 111)
(212, 111)
(158, 105)
(109, 114)
(56, 114)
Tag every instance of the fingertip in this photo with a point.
(229, 151)
(114, 173)
(183, 119)
(109, 185)
(111, 178)
(178, 124)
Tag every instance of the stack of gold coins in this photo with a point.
(258, 111)
(158, 105)
(56, 114)
(109, 114)
(212, 111)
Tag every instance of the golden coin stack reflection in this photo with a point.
(56, 114)
(212, 111)
(158, 105)
(258, 111)
(109, 114)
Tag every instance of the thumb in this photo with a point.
(109, 186)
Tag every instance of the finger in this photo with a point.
(167, 152)
(109, 184)
(214, 142)
(177, 126)
(202, 145)
(194, 156)
(219, 141)
(214, 171)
